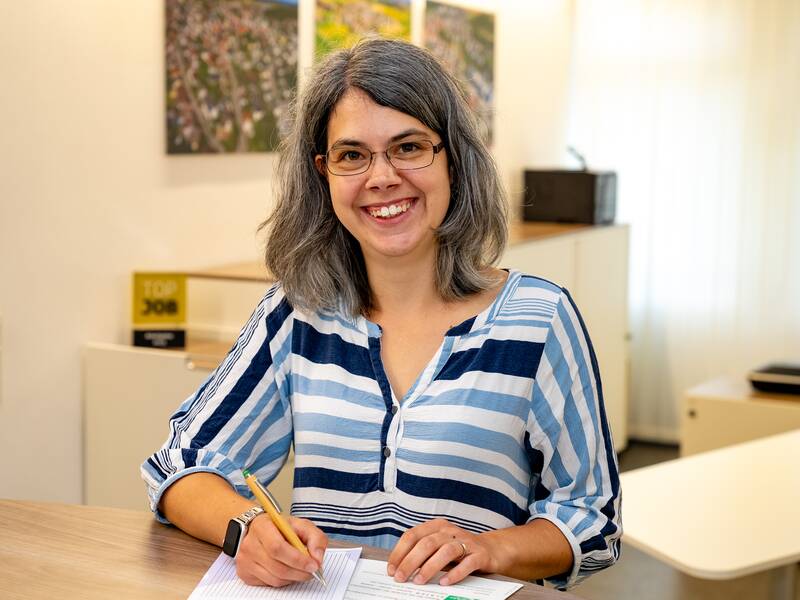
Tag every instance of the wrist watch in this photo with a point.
(237, 527)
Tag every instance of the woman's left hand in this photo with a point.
(431, 546)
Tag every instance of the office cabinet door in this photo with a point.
(129, 394)
(552, 259)
(601, 294)
(593, 266)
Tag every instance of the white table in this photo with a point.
(721, 514)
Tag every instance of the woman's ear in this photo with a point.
(319, 162)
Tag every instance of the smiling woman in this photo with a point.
(309, 248)
(438, 406)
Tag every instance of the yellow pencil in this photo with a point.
(272, 509)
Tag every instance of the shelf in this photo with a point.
(240, 271)
(518, 233)
(521, 232)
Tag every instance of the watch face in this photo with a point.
(232, 537)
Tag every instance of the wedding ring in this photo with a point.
(463, 551)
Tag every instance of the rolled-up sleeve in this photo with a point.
(577, 487)
(240, 417)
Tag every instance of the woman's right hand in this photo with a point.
(266, 558)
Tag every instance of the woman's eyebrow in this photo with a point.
(394, 138)
(347, 142)
(407, 133)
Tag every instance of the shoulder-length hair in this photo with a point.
(318, 262)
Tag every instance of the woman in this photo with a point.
(438, 406)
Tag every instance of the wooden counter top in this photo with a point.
(240, 271)
(85, 552)
(518, 233)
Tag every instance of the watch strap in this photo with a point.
(249, 515)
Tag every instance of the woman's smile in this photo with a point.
(390, 211)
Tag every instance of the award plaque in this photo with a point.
(159, 310)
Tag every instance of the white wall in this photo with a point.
(87, 194)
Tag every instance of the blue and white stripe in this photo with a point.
(506, 424)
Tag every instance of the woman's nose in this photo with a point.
(381, 172)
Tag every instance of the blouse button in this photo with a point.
(394, 409)
(386, 452)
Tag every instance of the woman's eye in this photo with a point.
(407, 148)
(348, 155)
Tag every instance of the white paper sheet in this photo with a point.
(221, 582)
(370, 582)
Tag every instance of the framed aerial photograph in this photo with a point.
(463, 39)
(341, 23)
(231, 72)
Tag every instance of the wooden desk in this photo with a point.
(85, 552)
(721, 514)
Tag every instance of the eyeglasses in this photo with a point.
(403, 156)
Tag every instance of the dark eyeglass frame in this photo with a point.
(435, 147)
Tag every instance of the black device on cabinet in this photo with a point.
(780, 378)
(570, 196)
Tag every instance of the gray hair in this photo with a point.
(319, 263)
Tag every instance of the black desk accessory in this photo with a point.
(570, 196)
(781, 378)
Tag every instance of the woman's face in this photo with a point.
(392, 213)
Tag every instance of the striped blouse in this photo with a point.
(504, 425)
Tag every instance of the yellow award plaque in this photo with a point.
(159, 310)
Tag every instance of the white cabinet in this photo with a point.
(129, 393)
(601, 293)
(552, 259)
(592, 263)
(727, 411)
